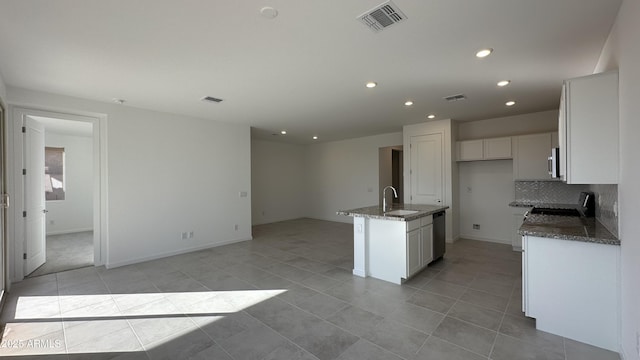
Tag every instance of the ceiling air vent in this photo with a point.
(211, 99)
(455, 98)
(382, 16)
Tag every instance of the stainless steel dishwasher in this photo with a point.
(438, 235)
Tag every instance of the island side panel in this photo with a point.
(360, 246)
(387, 250)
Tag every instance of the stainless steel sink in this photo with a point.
(401, 212)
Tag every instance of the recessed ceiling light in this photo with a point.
(510, 103)
(504, 83)
(431, 116)
(371, 84)
(484, 52)
(315, 137)
(283, 132)
(408, 103)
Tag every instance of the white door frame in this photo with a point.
(15, 184)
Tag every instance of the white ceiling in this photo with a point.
(305, 70)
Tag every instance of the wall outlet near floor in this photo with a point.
(184, 235)
(235, 227)
(190, 234)
(52, 222)
(476, 226)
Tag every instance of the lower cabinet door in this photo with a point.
(427, 245)
(413, 252)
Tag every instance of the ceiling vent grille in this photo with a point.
(382, 16)
(455, 97)
(211, 99)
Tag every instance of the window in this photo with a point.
(54, 173)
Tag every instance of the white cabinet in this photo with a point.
(588, 125)
(426, 243)
(497, 148)
(531, 154)
(517, 218)
(413, 252)
(484, 149)
(470, 150)
(570, 295)
(419, 245)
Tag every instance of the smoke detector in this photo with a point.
(382, 16)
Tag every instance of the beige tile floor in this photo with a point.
(288, 294)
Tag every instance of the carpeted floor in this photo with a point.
(67, 252)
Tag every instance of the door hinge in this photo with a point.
(410, 172)
(24, 171)
(24, 214)
(24, 129)
(24, 256)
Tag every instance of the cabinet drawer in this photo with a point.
(413, 224)
(424, 221)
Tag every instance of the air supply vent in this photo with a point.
(455, 97)
(211, 99)
(382, 16)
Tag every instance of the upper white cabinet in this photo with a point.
(484, 149)
(588, 126)
(498, 148)
(531, 154)
(470, 150)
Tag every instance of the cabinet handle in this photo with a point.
(549, 159)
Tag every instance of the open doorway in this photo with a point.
(391, 173)
(68, 191)
(33, 217)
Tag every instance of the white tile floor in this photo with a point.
(288, 294)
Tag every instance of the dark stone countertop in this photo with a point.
(375, 212)
(528, 204)
(568, 228)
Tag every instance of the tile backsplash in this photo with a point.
(556, 192)
(606, 200)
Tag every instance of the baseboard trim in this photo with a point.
(480, 238)
(359, 273)
(71, 231)
(113, 265)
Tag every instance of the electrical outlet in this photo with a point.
(190, 234)
(184, 235)
(52, 222)
(476, 226)
(235, 227)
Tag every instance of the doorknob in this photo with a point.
(45, 211)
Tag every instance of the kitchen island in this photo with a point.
(395, 244)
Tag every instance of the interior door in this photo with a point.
(426, 169)
(35, 240)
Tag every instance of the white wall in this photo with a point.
(166, 174)
(622, 51)
(344, 175)
(75, 212)
(278, 181)
(539, 122)
(491, 182)
(486, 189)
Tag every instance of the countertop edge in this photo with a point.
(362, 212)
(609, 240)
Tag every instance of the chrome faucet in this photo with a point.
(384, 197)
